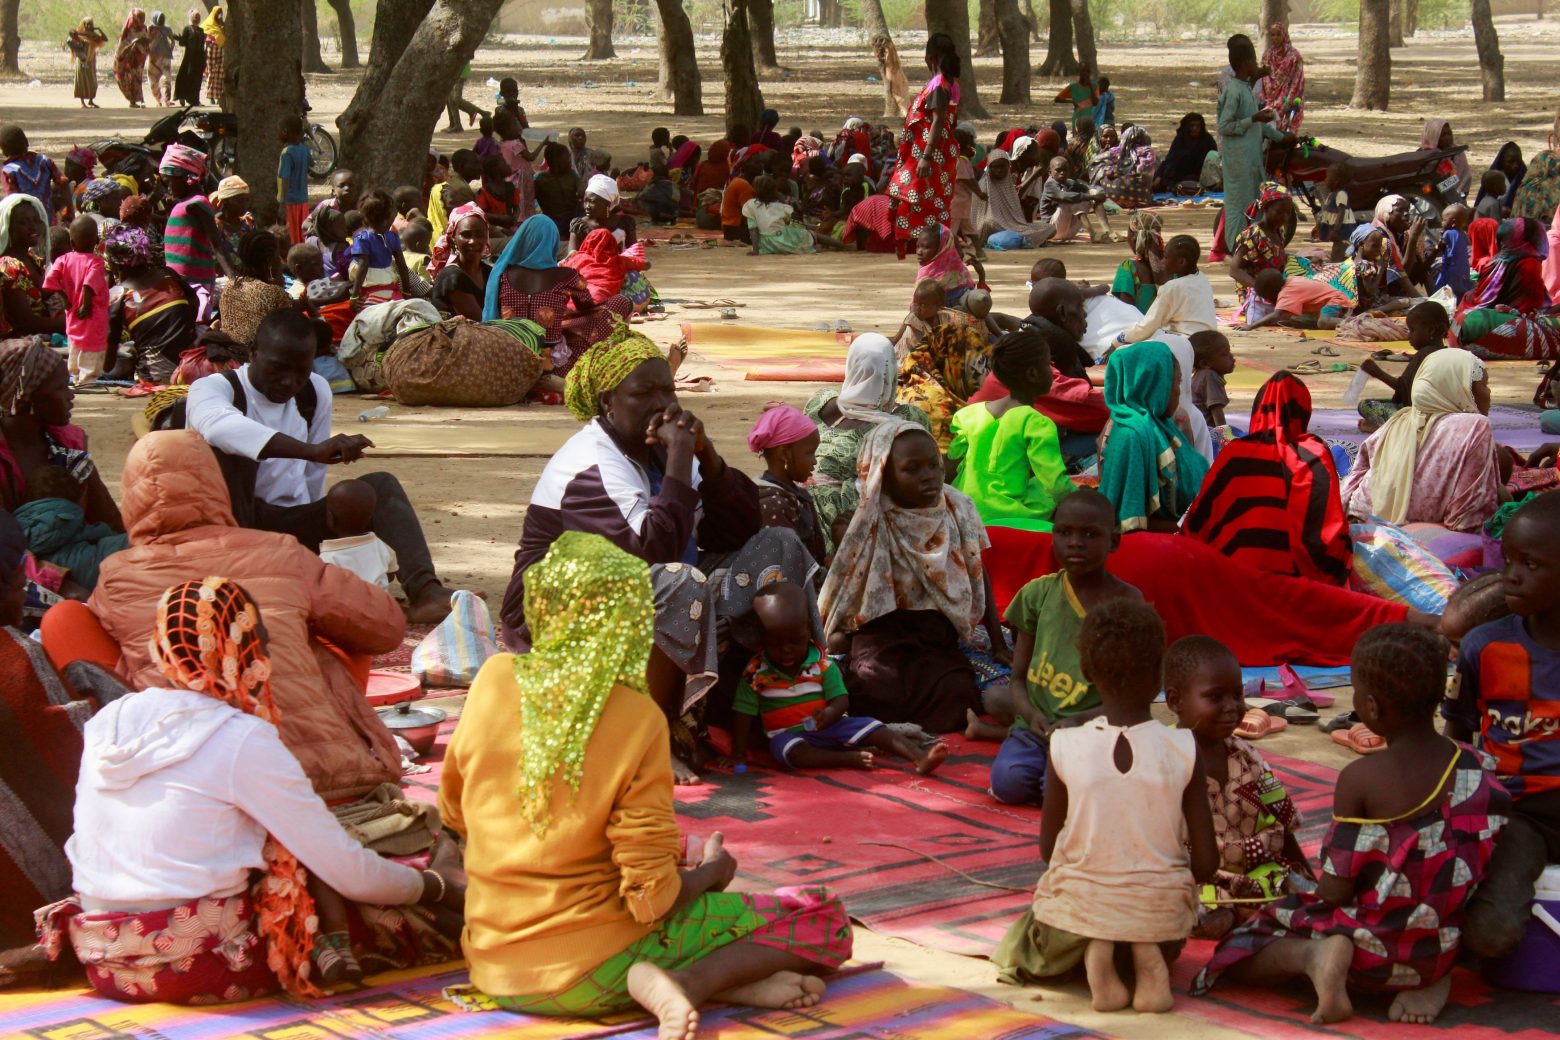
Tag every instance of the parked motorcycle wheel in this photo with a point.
(322, 152)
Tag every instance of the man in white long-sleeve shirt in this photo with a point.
(270, 426)
(1184, 303)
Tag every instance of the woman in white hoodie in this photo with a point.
(186, 793)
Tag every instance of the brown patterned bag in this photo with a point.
(464, 363)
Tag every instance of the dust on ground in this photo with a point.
(472, 507)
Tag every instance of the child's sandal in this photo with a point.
(1258, 724)
(1359, 739)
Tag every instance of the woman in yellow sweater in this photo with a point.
(575, 902)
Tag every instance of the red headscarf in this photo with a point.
(1271, 499)
(715, 170)
(603, 263)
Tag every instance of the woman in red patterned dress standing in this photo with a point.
(922, 185)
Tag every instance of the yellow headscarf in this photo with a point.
(601, 368)
(592, 618)
(213, 28)
(1444, 386)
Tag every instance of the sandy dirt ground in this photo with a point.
(473, 505)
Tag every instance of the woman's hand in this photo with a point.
(448, 863)
(1545, 455)
(923, 170)
(1267, 115)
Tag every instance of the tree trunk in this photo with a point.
(953, 17)
(1395, 22)
(1033, 19)
(1059, 60)
(1373, 72)
(598, 22)
(265, 87)
(1492, 66)
(831, 14)
(1410, 18)
(761, 23)
(1014, 33)
(10, 38)
(312, 60)
(386, 129)
(896, 92)
(987, 39)
(1083, 34)
(346, 33)
(744, 100)
(679, 77)
(1270, 11)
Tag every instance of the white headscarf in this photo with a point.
(870, 379)
(8, 213)
(604, 188)
(1021, 146)
(1444, 386)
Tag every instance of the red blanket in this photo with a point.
(1264, 618)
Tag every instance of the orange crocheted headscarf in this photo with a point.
(209, 639)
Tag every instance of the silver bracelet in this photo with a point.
(442, 887)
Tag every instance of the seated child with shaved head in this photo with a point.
(796, 688)
(1254, 820)
(353, 545)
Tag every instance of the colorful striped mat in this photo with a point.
(868, 1005)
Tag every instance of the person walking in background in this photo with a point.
(83, 43)
(215, 28)
(159, 59)
(192, 67)
(130, 58)
(1283, 88)
(923, 183)
(457, 103)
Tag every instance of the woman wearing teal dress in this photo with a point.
(845, 417)
(1245, 127)
(1147, 468)
(1009, 456)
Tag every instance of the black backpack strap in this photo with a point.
(240, 399)
(308, 401)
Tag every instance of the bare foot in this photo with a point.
(1418, 1007)
(683, 774)
(1328, 968)
(866, 761)
(431, 606)
(1099, 963)
(659, 993)
(783, 989)
(977, 728)
(1152, 994)
(936, 756)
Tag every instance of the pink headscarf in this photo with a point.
(444, 248)
(181, 158)
(780, 425)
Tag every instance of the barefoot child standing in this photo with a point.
(1413, 831)
(1125, 830)
(1048, 689)
(1254, 820)
(799, 691)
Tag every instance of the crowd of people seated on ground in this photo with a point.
(1065, 499)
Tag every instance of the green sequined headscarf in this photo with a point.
(601, 368)
(592, 619)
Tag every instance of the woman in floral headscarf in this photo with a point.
(459, 266)
(1263, 243)
(1126, 172)
(907, 586)
(583, 901)
(1283, 88)
(186, 793)
(130, 58)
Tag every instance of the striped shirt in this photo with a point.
(189, 252)
(787, 701)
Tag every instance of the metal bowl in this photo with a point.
(419, 727)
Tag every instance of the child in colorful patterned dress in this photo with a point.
(799, 691)
(1254, 820)
(1413, 830)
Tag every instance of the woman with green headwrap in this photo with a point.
(580, 900)
(643, 474)
(1147, 469)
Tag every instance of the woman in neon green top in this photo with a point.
(1009, 456)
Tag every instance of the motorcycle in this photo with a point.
(214, 134)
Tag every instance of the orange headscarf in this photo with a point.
(208, 640)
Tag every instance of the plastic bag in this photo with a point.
(453, 653)
(1389, 563)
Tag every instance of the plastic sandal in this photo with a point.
(1257, 724)
(1307, 368)
(1296, 712)
(1359, 739)
(1296, 689)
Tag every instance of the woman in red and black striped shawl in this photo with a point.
(1271, 500)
